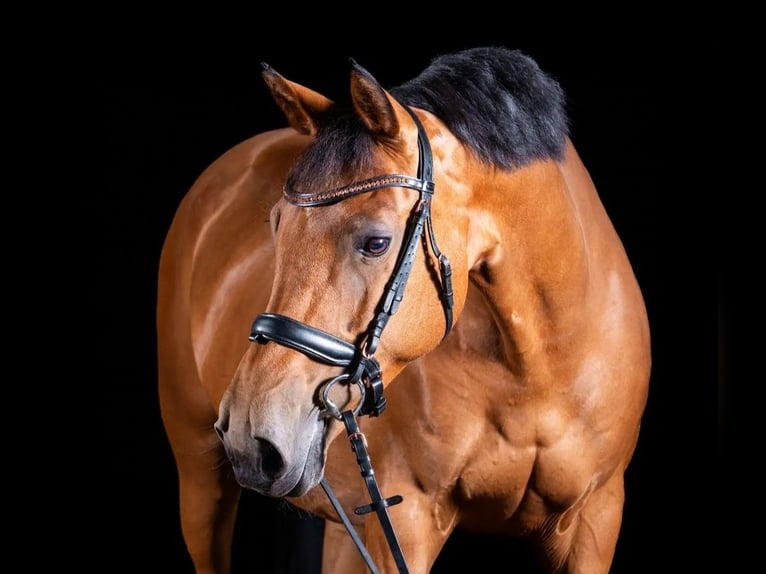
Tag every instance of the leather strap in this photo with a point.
(366, 185)
(325, 348)
(349, 527)
(379, 505)
(310, 341)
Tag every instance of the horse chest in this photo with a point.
(527, 467)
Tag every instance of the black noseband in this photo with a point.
(310, 341)
(325, 348)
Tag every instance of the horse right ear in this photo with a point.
(303, 108)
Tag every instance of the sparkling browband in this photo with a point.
(364, 186)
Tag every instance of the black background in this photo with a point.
(169, 114)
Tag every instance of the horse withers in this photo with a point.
(428, 274)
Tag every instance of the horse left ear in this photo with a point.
(303, 108)
(379, 111)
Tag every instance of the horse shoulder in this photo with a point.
(586, 430)
(616, 355)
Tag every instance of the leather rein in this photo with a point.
(361, 367)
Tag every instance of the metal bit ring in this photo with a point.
(330, 406)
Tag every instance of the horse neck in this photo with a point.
(534, 267)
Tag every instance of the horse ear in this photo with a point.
(303, 108)
(379, 111)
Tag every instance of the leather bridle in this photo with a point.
(361, 367)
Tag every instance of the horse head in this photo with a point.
(353, 229)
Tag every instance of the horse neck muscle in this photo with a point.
(544, 272)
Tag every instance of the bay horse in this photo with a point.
(429, 268)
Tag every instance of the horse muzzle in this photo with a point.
(273, 456)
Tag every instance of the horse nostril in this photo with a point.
(221, 426)
(271, 460)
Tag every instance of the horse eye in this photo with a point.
(376, 246)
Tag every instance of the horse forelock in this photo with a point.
(496, 101)
(341, 151)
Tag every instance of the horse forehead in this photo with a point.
(390, 203)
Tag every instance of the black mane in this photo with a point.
(496, 101)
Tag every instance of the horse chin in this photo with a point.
(313, 469)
